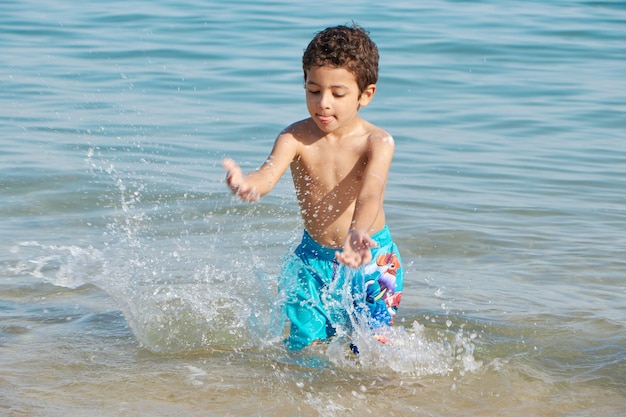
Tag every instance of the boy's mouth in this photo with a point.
(325, 119)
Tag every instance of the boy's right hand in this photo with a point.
(237, 181)
(356, 249)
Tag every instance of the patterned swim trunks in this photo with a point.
(323, 296)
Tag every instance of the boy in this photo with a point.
(339, 164)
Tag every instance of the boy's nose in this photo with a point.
(325, 100)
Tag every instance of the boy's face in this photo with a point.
(333, 98)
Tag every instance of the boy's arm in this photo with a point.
(255, 184)
(356, 248)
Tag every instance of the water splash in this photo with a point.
(407, 350)
(178, 293)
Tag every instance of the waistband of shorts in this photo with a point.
(310, 245)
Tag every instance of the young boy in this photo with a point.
(339, 164)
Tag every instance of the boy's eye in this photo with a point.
(337, 95)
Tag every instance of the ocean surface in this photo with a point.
(133, 284)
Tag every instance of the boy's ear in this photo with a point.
(367, 95)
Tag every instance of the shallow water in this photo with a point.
(132, 283)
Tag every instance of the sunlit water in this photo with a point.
(132, 283)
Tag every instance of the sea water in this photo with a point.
(132, 283)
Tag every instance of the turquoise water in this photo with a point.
(132, 283)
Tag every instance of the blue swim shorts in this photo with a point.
(323, 296)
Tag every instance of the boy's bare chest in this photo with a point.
(329, 170)
(340, 156)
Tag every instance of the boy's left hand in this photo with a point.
(356, 249)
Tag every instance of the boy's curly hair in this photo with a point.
(344, 47)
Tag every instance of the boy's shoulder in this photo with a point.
(302, 132)
(377, 134)
(299, 128)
